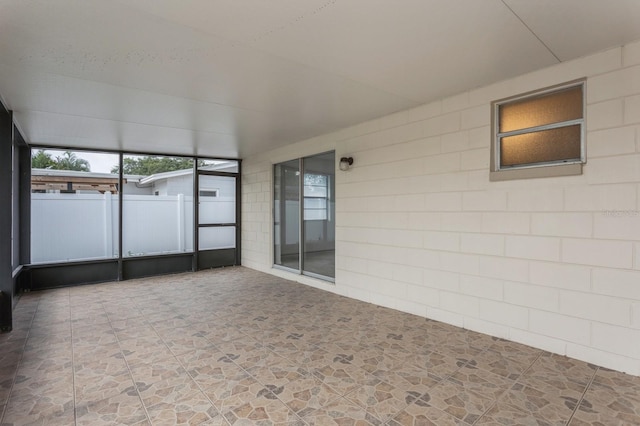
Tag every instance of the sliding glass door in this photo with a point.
(304, 215)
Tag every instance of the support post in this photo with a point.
(25, 201)
(6, 179)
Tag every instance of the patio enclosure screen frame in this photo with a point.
(75, 272)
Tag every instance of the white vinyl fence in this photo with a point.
(157, 224)
(66, 227)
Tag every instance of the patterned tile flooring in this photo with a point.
(237, 347)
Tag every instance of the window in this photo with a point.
(539, 134)
(316, 194)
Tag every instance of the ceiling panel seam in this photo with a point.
(531, 31)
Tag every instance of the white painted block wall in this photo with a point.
(553, 263)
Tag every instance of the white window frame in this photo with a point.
(541, 169)
(326, 198)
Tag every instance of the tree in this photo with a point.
(67, 161)
(42, 160)
(149, 165)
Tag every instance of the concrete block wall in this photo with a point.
(553, 263)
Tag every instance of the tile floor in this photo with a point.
(237, 347)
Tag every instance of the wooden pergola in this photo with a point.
(75, 183)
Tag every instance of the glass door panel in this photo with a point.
(287, 214)
(319, 215)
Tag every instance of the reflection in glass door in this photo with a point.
(304, 215)
(217, 220)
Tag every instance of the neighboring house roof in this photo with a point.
(221, 166)
(75, 173)
(148, 180)
(48, 179)
(60, 179)
(67, 180)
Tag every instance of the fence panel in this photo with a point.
(67, 227)
(157, 224)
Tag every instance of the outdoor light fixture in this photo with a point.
(345, 163)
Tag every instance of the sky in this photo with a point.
(98, 162)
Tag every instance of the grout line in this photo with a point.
(487, 410)
(532, 32)
(583, 394)
(529, 367)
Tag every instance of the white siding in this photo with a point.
(421, 228)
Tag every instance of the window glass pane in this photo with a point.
(315, 214)
(217, 199)
(210, 238)
(229, 166)
(315, 203)
(315, 191)
(539, 147)
(158, 205)
(319, 214)
(287, 214)
(548, 109)
(313, 179)
(74, 205)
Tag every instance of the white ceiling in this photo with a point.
(234, 77)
